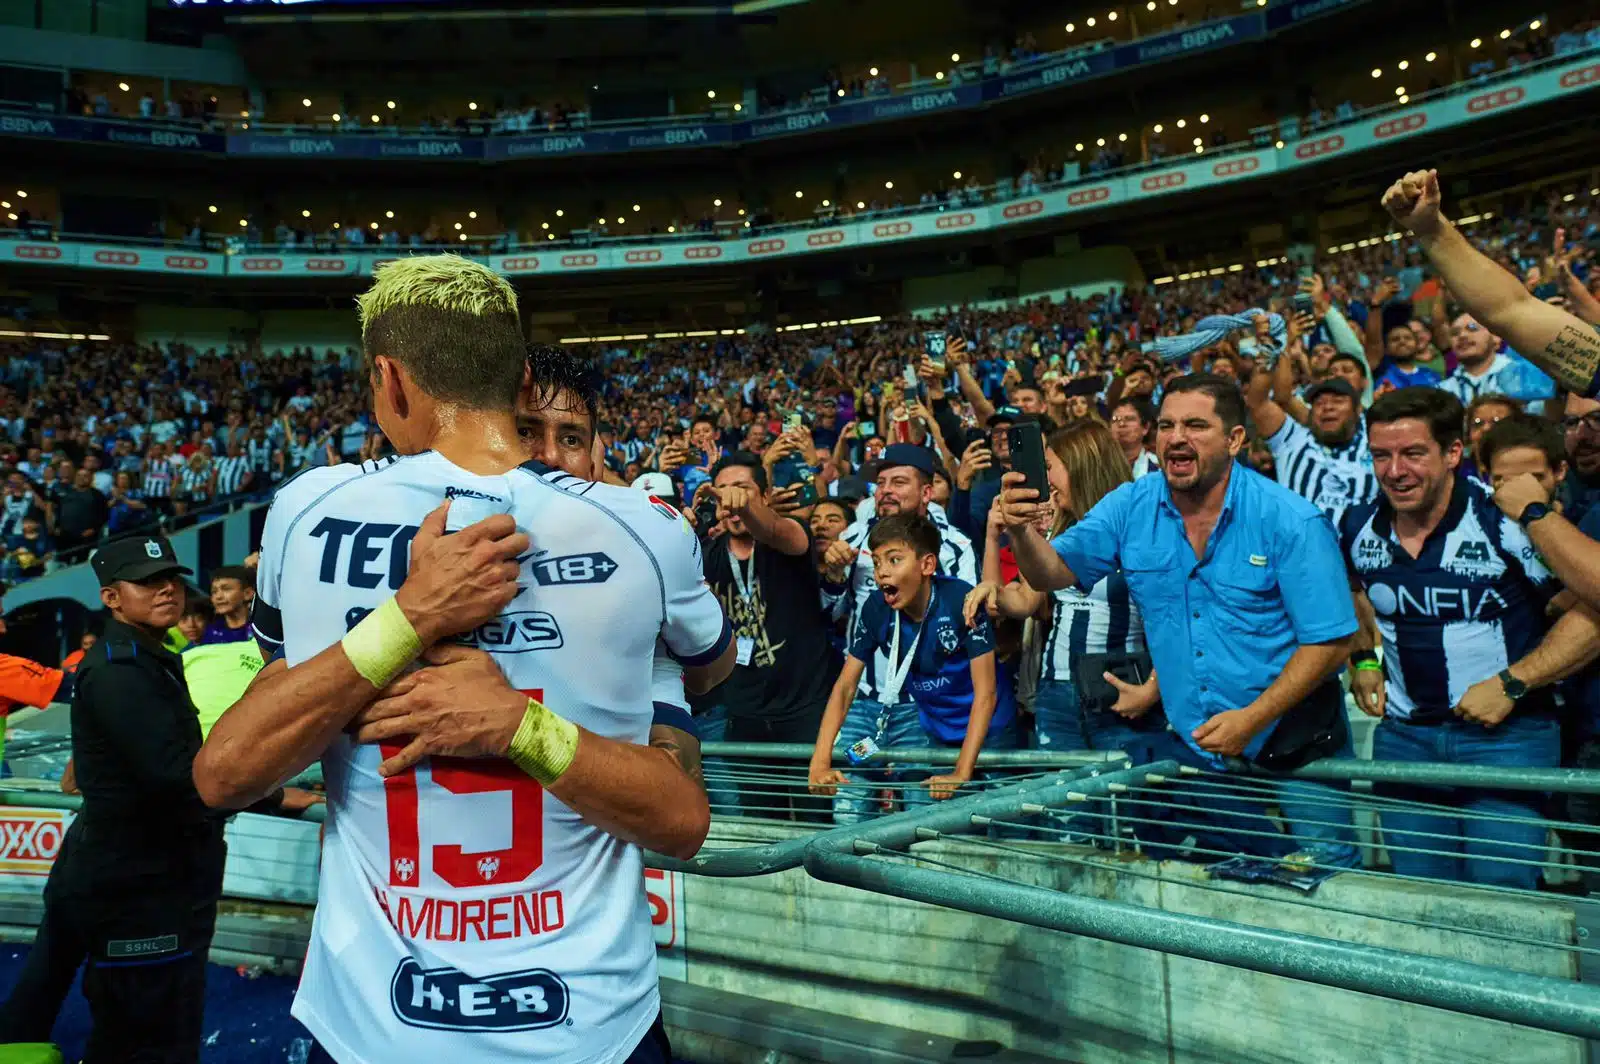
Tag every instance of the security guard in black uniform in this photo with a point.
(134, 889)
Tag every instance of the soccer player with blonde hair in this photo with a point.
(481, 894)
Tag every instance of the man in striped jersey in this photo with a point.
(1459, 595)
(234, 476)
(1326, 461)
(156, 478)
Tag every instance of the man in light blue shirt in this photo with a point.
(1247, 610)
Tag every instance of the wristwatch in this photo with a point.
(1532, 512)
(1514, 688)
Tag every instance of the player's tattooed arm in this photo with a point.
(682, 748)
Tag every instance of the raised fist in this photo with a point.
(1413, 201)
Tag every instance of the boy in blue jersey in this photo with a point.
(942, 687)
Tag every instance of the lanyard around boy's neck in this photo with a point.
(900, 669)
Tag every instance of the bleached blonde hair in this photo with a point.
(452, 323)
(448, 282)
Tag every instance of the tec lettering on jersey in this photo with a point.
(450, 1000)
(364, 553)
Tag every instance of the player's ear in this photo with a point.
(928, 564)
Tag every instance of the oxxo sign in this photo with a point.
(30, 840)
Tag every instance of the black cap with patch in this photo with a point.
(135, 558)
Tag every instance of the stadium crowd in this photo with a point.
(887, 443)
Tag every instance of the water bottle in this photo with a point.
(299, 1051)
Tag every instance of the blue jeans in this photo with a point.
(1472, 850)
(1059, 723)
(1230, 815)
(903, 727)
(711, 724)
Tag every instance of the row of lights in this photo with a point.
(1157, 128)
(6, 204)
(651, 336)
(871, 319)
(1111, 16)
(1477, 42)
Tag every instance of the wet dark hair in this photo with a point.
(553, 370)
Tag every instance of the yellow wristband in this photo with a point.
(382, 645)
(545, 743)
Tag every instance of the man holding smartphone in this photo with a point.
(763, 573)
(1247, 614)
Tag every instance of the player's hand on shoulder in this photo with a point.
(425, 709)
(459, 581)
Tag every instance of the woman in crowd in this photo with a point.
(1090, 633)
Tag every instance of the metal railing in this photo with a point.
(883, 856)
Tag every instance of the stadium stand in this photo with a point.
(839, 286)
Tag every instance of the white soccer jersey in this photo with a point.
(464, 914)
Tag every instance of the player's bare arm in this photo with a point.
(645, 795)
(289, 715)
(698, 679)
(1560, 343)
(682, 747)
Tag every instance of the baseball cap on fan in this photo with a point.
(135, 558)
(657, 484)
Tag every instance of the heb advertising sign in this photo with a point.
(40, 254)
(294, 265)
(149, 260)
(30, 840)
(664, 892)
(1203, 172)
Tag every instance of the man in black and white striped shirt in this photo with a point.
(233, 472)
(156, 477)
(1325, 462)
(262, 454)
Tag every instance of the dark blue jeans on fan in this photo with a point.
(890, 727)
(711, 726)
(1230, 813)
(1466, 848)
(1060, 724)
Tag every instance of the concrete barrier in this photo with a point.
(792, 939)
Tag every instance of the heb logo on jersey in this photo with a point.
(445, 999)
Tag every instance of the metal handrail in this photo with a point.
(1439, 982)
(1337, 769)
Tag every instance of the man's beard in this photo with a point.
(1339, 437)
